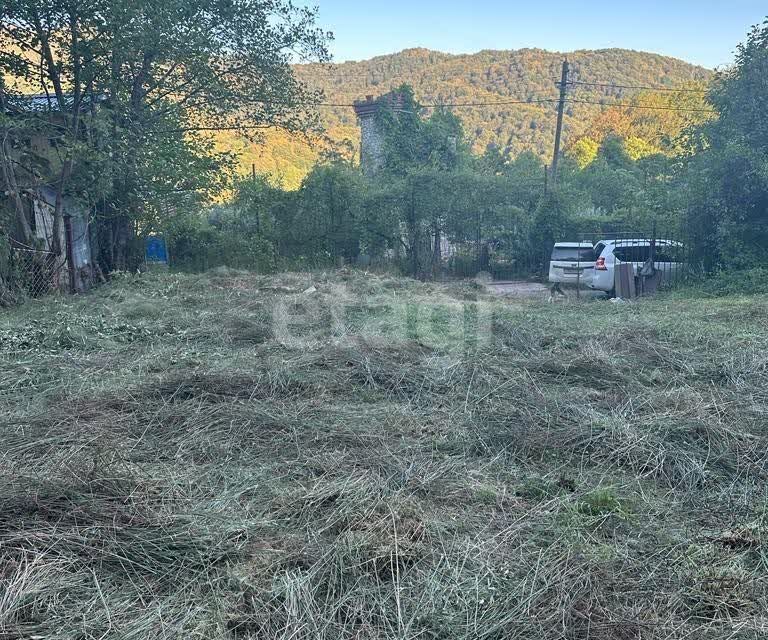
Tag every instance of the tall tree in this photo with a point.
(728, 177)
(168, 73)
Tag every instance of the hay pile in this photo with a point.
(345, 455)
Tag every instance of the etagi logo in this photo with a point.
(308, 321)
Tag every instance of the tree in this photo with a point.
(584, 151)
(550, 224)
(655, 121)
(611, 180)
(325, 221)
(167, 74)
(728, 176)
(419, 156)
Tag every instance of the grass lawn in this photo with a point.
(346, 455)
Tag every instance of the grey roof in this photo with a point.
(43, 102)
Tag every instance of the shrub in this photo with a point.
(740, 282)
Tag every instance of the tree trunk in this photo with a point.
(414, 237)
(122, 236)
(9, 177)
(58, 209)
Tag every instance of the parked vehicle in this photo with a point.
(572, 263)
(667, 259)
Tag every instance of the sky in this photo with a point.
(703, 32)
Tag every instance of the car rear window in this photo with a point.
(573, 254)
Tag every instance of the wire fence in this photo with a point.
(28, 272)
(643, 261)
(652, 257)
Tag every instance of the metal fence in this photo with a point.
(650, 259)
(660, 258)
(669, 257)
(28, 272)
(625, 263)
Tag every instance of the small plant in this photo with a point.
(538, 489)
(734, 282)
(602, 502)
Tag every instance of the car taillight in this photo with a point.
(600, 265)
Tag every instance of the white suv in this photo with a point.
(609, 253)
(572, 263)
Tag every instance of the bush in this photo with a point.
(740, 282)
(198, 246)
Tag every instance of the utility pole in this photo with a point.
(560, 111)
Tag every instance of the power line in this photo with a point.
(610, 85)
(624, 105)
(449, 105)
(437, 105)
(606, 85)
(488, 104)
(642, 106)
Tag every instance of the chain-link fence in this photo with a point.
(28, 272)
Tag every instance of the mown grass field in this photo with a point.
(357, 456)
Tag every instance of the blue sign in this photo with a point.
(155, 250)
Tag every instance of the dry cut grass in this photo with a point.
(351, 456)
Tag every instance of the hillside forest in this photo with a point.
(519, 80)
(141, 112)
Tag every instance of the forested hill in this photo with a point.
(487, 76)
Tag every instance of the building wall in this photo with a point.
(371, 146)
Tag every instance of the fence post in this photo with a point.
(70, 241)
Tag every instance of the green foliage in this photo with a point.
(584, 151)
(196, 243)
(148, 81)
(487, 76)
(602, 502)
(324, 218)
(729, 172)
(637, 148)
(491, 209)
(735, 282)
(550, 223)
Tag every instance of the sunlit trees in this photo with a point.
(164, 74)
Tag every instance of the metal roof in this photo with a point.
(44, 102)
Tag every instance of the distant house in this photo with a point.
(43, 201)
(33, 159)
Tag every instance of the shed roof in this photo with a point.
(47, 102)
